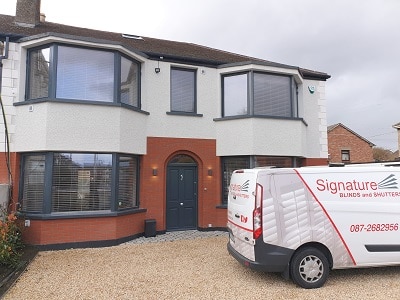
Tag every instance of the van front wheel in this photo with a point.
(309, 268)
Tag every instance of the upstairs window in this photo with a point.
(84, 74)
(39, 73)
(259, 94)
(183, 90)
(236, 95)
(346, 155)
(129, 85)
(272, 95)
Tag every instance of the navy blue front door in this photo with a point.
(181, 197)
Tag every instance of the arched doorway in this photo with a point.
(181, 193)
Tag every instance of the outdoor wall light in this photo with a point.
(158, 70)
(210, 172)
(155, 172)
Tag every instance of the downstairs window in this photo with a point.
(232, 163)
(78, 182)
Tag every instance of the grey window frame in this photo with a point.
(52, 81)
(48, 187)
(293, 90)
(183, 112)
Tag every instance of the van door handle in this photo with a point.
(181, 203)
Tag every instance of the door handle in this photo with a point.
(181, 203)
(181, 177)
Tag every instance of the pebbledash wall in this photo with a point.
(156, 137)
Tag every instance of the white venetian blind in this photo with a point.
(33, 183)
(81, 182)
(85, 74)
(272, 95)
(127, 182)
(182, 90)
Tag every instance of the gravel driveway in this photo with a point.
(183, 269)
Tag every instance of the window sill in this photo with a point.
(258, 117)
(30, 102)
(181, 113)
(81, 215)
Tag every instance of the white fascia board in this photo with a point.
(35, 42)
(262, 68)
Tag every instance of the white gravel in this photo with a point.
(182, 269)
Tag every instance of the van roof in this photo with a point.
(377, 167)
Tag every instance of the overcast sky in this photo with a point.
(357, 42)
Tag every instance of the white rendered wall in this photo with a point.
(9, 92)
(156, 100)
(79, 127)
(314, 111)
(261, 136)
(84, 127)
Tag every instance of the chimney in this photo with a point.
(28, 13)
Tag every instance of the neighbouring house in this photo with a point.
(346, 146)
(107, 133)
(397, 127)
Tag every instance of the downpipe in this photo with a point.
(5, 47)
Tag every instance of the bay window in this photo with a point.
(232, 163)
(259, 94)
(56, 183)
(64, 72)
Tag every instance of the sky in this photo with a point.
(357, 42)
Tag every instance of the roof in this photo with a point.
(332, 127)
(152, 48)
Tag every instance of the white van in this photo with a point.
(303, 222)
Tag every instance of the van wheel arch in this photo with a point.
(320, 247)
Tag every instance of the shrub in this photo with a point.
(10, 239)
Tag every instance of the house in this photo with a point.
(397, 127)
(346, 146)
(108, 133)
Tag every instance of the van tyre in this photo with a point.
(309, 268)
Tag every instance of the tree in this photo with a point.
(381, 154)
